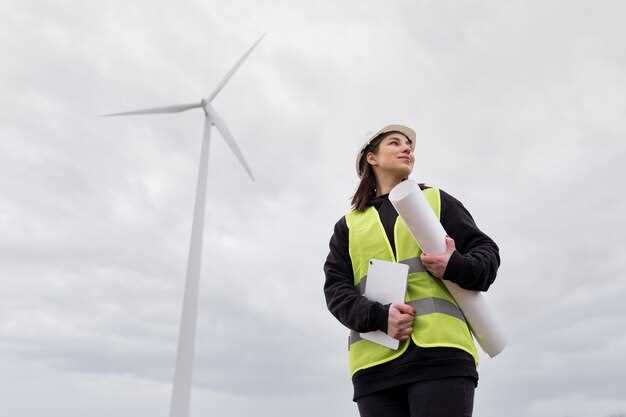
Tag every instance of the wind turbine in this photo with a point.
(181, 390)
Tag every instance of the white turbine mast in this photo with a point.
(181, 389)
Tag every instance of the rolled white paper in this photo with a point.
(412, 206)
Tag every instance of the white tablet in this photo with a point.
(386, 283)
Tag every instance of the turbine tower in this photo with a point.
(181, 390)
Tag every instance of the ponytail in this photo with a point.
(366, 189)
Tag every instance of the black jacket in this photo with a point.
(473, 266)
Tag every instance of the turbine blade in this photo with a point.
(167, 109)
(228, 137)
(232, 70)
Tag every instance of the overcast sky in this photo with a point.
(519, 109)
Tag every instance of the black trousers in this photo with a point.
(447, 397)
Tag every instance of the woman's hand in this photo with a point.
(400, 321)
(436, 264)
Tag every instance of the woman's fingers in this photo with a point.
(401, 318)
(404, 308)
(404, 334)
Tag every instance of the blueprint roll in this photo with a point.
(411, 205)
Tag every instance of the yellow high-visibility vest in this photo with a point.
(438, 320)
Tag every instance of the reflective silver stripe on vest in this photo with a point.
(422, 307)
(436, 305)
(361, 285)
(415, 265)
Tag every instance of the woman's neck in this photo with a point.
(384, 184)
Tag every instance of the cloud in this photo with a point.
(519, 113)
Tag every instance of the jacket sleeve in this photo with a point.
(342, 298)
(474, 264)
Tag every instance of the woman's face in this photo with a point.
(394, 156)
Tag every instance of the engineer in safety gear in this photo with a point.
(433, 373)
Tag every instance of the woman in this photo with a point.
(433, 373)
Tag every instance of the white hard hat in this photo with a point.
(370, 136)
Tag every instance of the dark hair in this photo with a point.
(366, 189)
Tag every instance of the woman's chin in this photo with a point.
(403, 172)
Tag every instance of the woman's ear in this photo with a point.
(371, 158)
